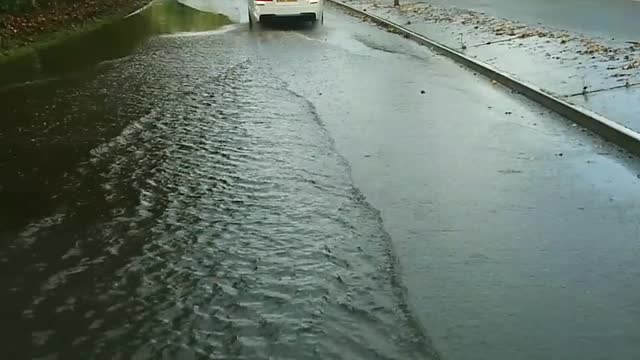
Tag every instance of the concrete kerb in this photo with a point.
(607, 129)
(145, 7)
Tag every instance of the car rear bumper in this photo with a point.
(312, 11)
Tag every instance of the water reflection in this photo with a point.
(110, 41)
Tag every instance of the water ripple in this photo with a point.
(220, 223)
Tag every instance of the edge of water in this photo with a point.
(53, 38)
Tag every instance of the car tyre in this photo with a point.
(317, 21)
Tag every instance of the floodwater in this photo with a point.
(307, 193)
(109, 41)
(182, 202)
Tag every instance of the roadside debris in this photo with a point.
(634, 64)
(23, 28)
(592, 47)
(580, 45)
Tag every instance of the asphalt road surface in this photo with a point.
(300, 193)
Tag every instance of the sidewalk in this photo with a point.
(604, 18)
(600, 75)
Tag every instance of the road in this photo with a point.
(299, 193)
(602, 18)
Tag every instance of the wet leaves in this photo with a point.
(633, 64)
(508, 29)
(592, 47)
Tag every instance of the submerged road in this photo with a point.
(298, 193)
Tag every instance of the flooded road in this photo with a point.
(183, 202)
(300, 193)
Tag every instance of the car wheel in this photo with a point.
(317, 21)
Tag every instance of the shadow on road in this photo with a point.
(287, 24)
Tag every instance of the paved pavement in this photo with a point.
(603, 18)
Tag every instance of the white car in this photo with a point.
(259, 10)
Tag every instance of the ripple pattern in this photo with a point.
(220, 223)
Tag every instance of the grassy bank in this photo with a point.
(24, 27)
(105, 38)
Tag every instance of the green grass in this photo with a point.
(18, 48)
(167, 17)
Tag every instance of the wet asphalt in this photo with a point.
(301, 193)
